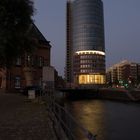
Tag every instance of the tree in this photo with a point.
(15, 21)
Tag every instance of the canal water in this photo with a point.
(109, 120)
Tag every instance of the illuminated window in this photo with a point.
(92, 79)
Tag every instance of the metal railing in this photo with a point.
(64, 124)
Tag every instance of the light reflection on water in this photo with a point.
(109, 120)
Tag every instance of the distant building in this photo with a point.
(27, 70)
(59, 81)
(124, 73)
(52, 79)
(85, 56)
(48, 79)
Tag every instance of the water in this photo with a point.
(109, 120)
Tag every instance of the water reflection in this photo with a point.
(109, 120)
(91, 116)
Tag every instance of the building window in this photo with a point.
(28, 60)
(33, 61)
(91, 79)
(17, 82)
(18, 61)
(40, 61)
(45, 62)
(40, 81)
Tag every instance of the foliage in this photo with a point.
(15, 21)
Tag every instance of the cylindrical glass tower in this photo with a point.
(86, 41)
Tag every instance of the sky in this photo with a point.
(122, 30)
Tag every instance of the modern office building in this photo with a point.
(85, 56)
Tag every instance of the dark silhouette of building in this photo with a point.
(59, 81)
(27, 70)
(85, 56)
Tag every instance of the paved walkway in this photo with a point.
(23, 120)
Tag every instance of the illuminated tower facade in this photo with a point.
(85, 60)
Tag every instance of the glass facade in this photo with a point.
(87, 25)
(86, 40)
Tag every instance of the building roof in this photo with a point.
(120, 64)
(37, 34)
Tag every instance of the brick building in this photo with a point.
(27, 70)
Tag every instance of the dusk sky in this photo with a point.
(122, 30)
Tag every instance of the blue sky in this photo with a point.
(122, 29)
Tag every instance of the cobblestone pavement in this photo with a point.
(23, 120)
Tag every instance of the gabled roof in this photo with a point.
(37, 34)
